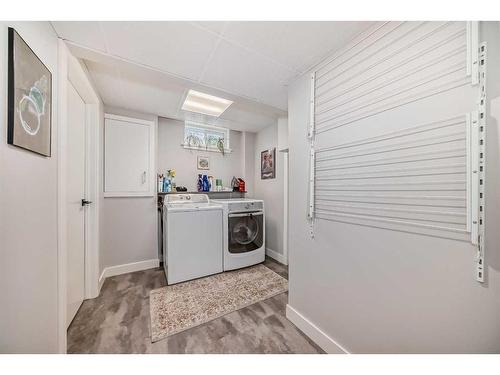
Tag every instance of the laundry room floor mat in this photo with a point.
(178, 307)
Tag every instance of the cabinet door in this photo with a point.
(128, 157)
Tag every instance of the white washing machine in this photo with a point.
(192, 237)
(244, 232)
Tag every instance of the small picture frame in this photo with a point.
(29, 119)
(268, 164)
(203, 162)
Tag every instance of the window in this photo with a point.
(206, 137)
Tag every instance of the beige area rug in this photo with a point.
(175, 308)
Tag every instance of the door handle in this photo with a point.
(85, 202)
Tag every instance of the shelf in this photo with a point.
(211, 195)
(204, 192)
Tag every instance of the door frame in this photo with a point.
(285, 206)
(71, 70)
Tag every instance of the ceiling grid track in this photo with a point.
(167, 73)
(221, 36)
(212, 53)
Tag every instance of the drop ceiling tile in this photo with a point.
(107, 82)
(150, 99)
(242, 72)
(252, 121)
(276, 96)
(296, 44)
(141, 90)
(84, 33)
(135, 92)
(179, 48)
(214, 26)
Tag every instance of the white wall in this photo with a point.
(379, 291)
(248, 162)
(271, 191)
(128, 225)
(28, 218)
(171, 155)
(282, 133)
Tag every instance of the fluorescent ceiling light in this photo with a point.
(200, 102)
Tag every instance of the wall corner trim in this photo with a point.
(127, 268)
(276, 256)
(314, 333)
(102, 279)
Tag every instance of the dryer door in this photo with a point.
(245, 231)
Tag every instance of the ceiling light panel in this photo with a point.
(200, 102)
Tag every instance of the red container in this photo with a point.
(242, 185)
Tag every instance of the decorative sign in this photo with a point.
(268, 164)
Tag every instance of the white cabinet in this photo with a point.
(128, 157)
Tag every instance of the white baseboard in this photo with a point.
(314, 333)
(276, 256)
(127, 268)
(102, 278)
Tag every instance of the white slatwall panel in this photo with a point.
(391, 131)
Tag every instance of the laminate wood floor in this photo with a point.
(118, 322)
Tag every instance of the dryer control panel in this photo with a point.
(248, 206)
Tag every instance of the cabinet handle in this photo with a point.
(144, 177)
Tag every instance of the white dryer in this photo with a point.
(192, 237)
(244, 232)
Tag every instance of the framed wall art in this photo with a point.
(203, 162)
(29, 120)
(268, 164)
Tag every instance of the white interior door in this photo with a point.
(76, 210)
